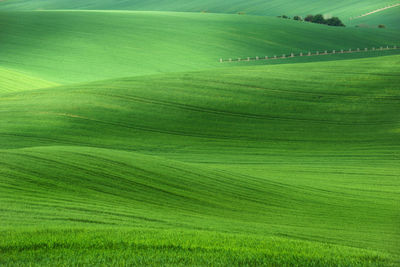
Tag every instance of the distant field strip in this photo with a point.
(376, 11)
(313, 53)
(341, 8)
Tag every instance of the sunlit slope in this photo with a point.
(58, 187)
(390, 18)
(268, 7)
(11, 81)
(80, 46)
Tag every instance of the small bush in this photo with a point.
(309, 18)
(298, 18)
(381, 26)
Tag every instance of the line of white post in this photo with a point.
(221, 60)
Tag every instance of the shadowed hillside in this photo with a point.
(80, 46)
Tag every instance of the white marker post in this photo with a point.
(291, 55)
(309, 53)
(220, 60)
(248, 59)
(333, 51)
(301, 54)
(257, 58)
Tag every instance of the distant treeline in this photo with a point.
(319, 18)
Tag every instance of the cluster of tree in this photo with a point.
(334, 21)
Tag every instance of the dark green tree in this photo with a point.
(334, 21)
(309, 18)
(298, 18)
(319, 19)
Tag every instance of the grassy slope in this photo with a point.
(86, 46)
(390, 18)
(13, 81)
(270, 7)
(176, 152)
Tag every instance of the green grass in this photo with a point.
(78, 46)
(13, 81)
(174, 248)
(238, 166)
(342, 8)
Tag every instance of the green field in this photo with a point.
(125, 142)
(318, 171)
(344, 9)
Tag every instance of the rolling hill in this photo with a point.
(124, 141)
(79, 46)
(245, 165)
